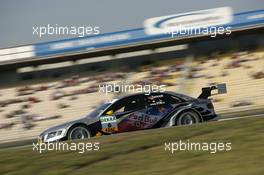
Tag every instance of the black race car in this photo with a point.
(137, 112)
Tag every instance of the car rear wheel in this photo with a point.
(188, 118)
(78, 132)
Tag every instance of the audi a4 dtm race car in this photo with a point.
(137, 112)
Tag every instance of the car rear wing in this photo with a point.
(207, 91)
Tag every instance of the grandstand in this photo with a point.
(238, 70)
(27, 110)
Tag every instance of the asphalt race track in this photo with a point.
(223, 118)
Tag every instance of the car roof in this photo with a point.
(151, 93)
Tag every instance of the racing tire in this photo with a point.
(78, 132)
(188, 118)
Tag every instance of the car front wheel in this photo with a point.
(78, 132)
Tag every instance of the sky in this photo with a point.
(18, 17)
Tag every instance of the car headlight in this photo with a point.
(54, 134)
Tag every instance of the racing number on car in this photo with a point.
(109, 124)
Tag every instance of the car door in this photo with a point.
(122, 114)
(160, 105)
(157, 107)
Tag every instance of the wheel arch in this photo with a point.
(175, 115)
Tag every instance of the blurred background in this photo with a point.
(51, 80)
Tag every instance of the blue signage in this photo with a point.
(91, 43)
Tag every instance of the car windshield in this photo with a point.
(98, 110)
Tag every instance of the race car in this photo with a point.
(137, 112)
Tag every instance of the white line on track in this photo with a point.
(236, 118)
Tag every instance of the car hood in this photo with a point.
(67, 125)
